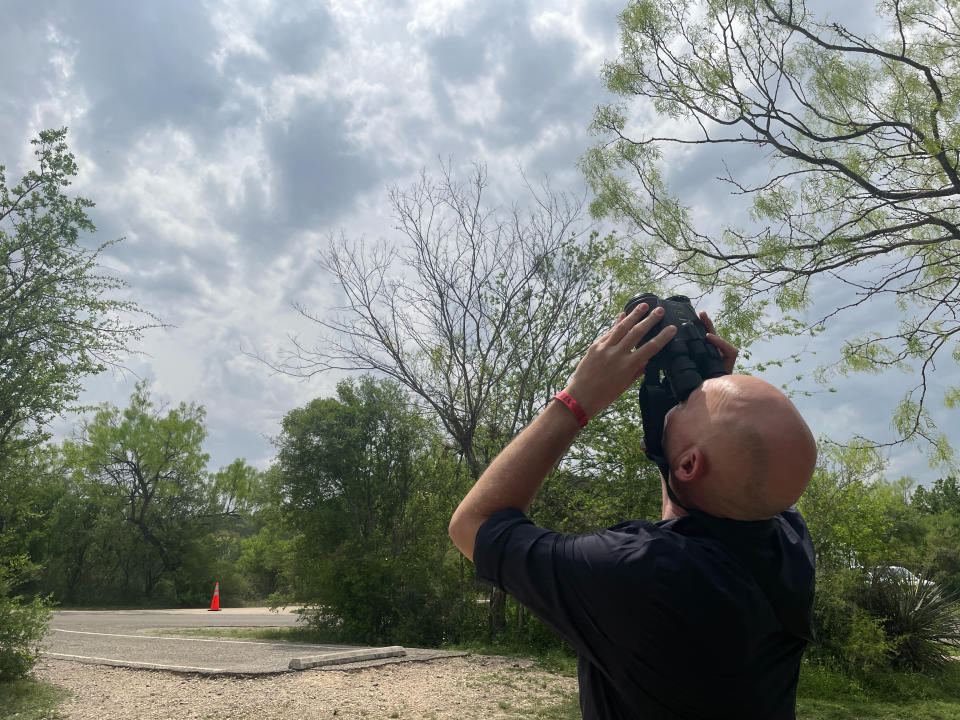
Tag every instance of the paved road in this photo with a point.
(128, 638)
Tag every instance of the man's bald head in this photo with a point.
(738, 448)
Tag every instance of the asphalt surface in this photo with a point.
(135, 638)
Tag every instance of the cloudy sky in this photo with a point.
(226, 140)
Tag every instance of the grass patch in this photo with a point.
(828, 694)
(525, 697)
(557, 660)
(30, 700)
(566, 709)
(823, 693)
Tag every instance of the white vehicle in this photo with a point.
(901, 574)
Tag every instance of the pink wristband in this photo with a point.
(574, 407)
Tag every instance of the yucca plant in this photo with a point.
(920, 619)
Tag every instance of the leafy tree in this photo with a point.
(148, 470)
(64, 529)
(845, 631)
(940, 506)
(23, 623)
(265, 558)
(238, 489)
(97, 510)
(941, 545)
(60, 322)
(605, 479)
(856, 517)
(860, 524)
(863, 138)
(843, 509)
(943, 497)
(362, 487)
(23, 619)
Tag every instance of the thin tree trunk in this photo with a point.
(497, 616)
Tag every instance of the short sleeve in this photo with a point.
(585, 586)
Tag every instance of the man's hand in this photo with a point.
(613, 363)
(728, 352)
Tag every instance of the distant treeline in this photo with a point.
(350, 522)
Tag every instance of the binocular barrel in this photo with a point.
(689, 358)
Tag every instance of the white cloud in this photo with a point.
(475, 103)
(567, 23)
(442, 17)
(236, 23)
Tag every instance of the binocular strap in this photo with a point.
(656, 400)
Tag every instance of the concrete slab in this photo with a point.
(344, 657)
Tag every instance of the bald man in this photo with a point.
(704, 614)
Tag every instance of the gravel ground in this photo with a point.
(479, 686)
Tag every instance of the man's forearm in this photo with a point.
(610, 366)
(516, 474)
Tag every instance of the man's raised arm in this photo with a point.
(611, 365)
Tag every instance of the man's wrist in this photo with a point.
(585, 398)
(578, 412)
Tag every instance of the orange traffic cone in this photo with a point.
(215, 604)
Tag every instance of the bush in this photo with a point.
(919, 619)
(846, 632)
(22, 625)
(877, 620)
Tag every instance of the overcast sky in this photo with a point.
(225, 140)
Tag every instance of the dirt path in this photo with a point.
(455, 689)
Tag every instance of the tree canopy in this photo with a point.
(368, 487)
(862, 136)
(60, 320)
(147, 469)
(942, 497)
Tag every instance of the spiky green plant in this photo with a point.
(920, 619)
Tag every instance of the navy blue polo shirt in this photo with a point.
(695, 617)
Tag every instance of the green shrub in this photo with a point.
(846, 633)
(866, 645)
(23, 623)
(881, 619)
(919, 619)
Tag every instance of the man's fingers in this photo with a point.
(626, 322)
(656, 343)
(722, 345)
(636, 333)
(707, 322)
(728, 352)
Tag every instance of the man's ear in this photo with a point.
(690, 466)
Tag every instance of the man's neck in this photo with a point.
(669, 509)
